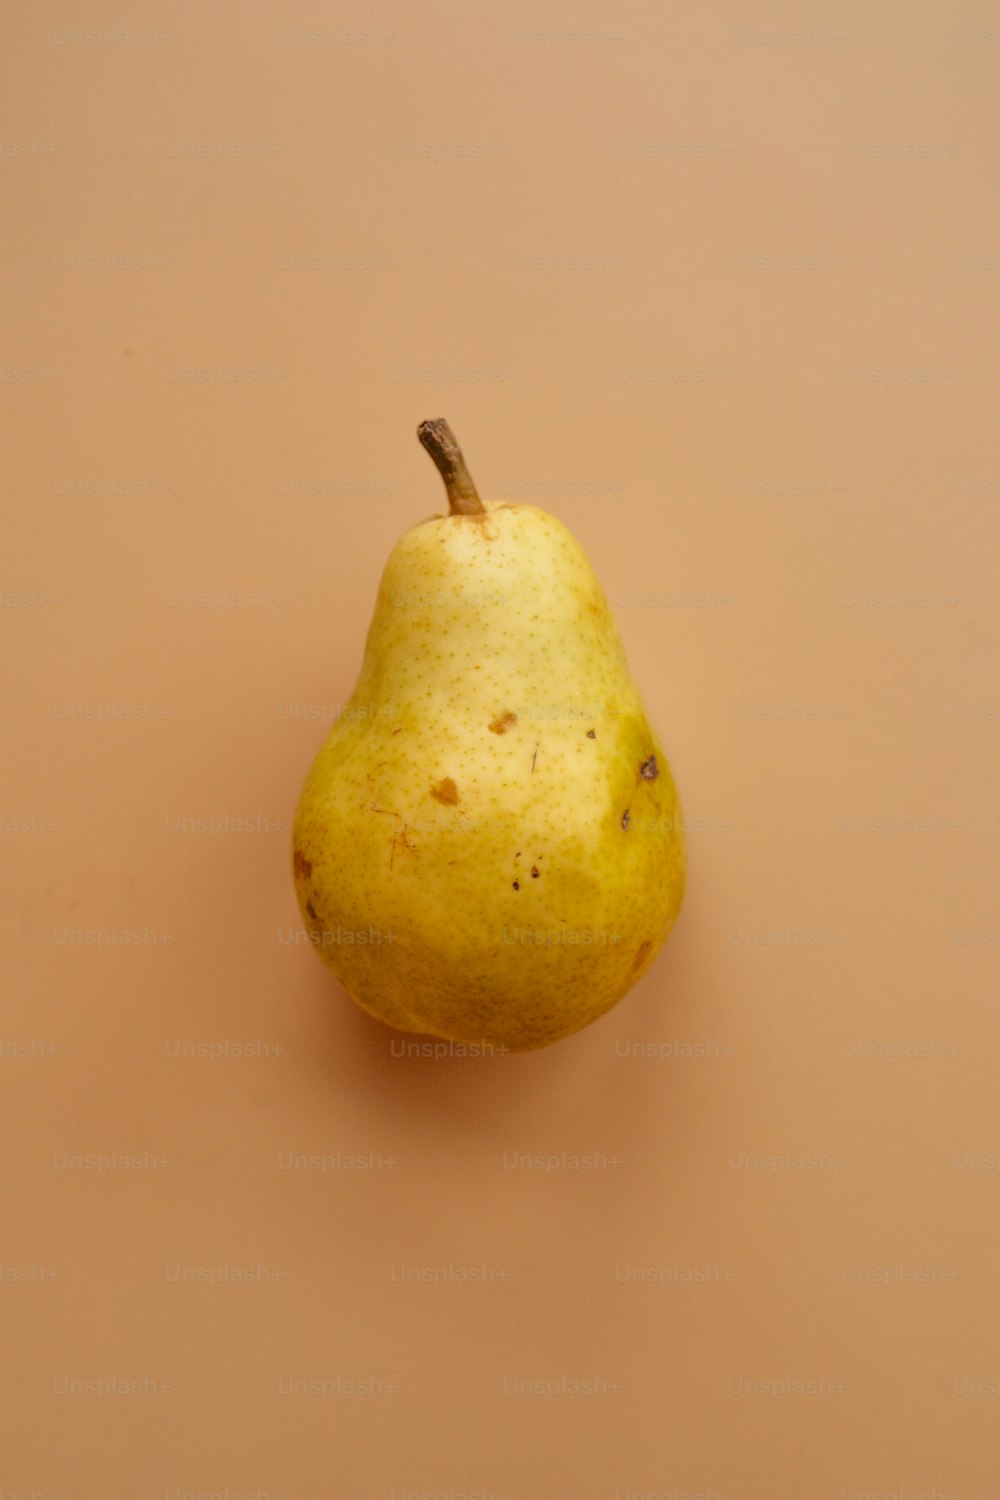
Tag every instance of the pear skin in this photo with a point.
(488, 847)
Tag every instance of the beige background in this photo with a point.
(719, 287)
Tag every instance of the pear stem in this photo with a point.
(439, 440)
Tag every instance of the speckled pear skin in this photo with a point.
(488, 846)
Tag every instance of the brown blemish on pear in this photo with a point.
(640, 956)
(503, 722)
(302, 865)
(399, 841)
(446, 792)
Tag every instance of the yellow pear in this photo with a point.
(488, 847)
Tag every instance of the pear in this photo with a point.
(488, 847)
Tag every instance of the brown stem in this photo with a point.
(439, 440)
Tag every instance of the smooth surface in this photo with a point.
(791, 1124)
